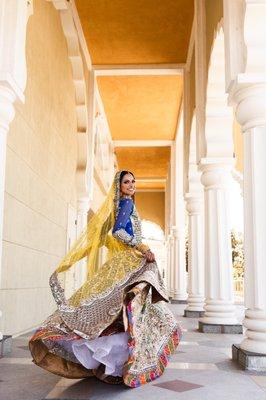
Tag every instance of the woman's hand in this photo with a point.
(150, 257)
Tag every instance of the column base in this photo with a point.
(247, 360)
(220, 328)
(5, 345)
(175, 301)
(193, 314)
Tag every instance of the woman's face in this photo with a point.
(127, 186)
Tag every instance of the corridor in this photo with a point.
(174, 92)
(201, 369)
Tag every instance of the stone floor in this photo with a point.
(201, 369)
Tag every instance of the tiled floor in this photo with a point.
(201, 369)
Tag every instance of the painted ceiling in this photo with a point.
(136, 31)
(141, 107)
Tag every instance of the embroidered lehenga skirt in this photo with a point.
(121, 332)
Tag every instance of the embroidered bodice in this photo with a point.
(127, 227)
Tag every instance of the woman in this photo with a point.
(116, 325)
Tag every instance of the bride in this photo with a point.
(116, 326)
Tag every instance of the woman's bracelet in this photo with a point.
(147, 251)
(142, 248)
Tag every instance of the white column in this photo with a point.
(194, 206)
(7, 98)
(251, 114)
(168, 277)
(82, 217)
(13, 16)
(219, 307)
(171, 261)
(82, 220)
(195, 252)
(178, 215)
(179, 263)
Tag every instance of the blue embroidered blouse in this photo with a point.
(123, 229)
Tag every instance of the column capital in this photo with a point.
(194, 203)
(250, 101)
(177, 232)
(216, 173)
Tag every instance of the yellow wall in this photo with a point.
(238, 146)
(40, 175)
(150, 206)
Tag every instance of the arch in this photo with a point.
(219, 116)
(87, 109)
(152, 231)
(155, 238)
(75, 58)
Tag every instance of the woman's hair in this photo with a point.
(123, 173)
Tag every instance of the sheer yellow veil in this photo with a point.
(97, 234)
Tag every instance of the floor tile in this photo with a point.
(200, 369)
(185, 343)
(260, 380)
(20, 360)
(178, 385)
(184, 365)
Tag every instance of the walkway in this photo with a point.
(201, 369)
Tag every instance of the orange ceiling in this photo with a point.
(136, 32)
(141, 107)
(127, 32)
(145, 163)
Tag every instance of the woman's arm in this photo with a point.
(123, 218)
(127, 237)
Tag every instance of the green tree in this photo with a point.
(237, 242)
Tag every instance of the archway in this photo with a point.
(154, 237)
(217, 163)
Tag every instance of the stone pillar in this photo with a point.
(251, 114)
(7, 112)
(194, 206)
(179, 266)
(171, 264)
(82, 216)
(168, 276)
(178, 216)
(245, 50)
(82, 220)
(13, 16)
(220, 316)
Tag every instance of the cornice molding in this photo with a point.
(139, 69)
(142, 143)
